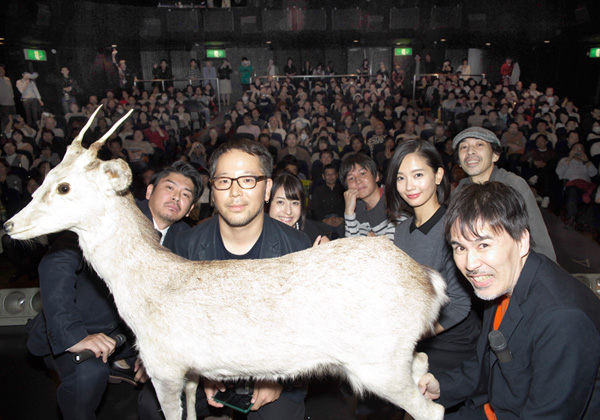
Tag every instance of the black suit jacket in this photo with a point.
(552, 326)
(76, 301)
(175, 229)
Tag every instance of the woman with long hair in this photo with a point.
(287, 204)
(416, 180)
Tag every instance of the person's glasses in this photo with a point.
(246, 182)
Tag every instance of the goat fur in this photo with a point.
(354, 307)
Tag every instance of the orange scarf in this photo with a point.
(500, 311)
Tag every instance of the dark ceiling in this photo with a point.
(507, 24)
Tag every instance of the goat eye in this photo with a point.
(63, 188)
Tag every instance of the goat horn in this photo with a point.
(95, 147)
(77, 140)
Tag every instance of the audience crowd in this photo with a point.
(310, 125)
(332, 140)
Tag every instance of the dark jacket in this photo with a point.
(552, 326)
(76, 301)
(175, 229)
(199, 243)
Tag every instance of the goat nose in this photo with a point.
(8, 226)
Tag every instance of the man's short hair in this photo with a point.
(185, 169)
(116, 140)
(247, 146)
(352, 160)
(326, 152)
(329, 166)
(263, 135)
(492, 204)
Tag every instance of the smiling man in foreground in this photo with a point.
(542, 358)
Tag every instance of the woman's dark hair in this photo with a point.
(17, 131)
(292, 189)
(493, 204)
(47, 130)
(422, 148)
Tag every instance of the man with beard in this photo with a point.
(240, 172)
(170, 197)
(478, 149)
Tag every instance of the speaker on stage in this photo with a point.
(18, 306)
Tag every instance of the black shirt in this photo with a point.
(223, 254)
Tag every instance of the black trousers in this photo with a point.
(82, 385)
(284, 408)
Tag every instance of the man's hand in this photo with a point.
(101, 344)
(265, 392)
(333, 221)
(429, 386)
(321, 240)
(210, 389)
(140, 371)
(350, 197)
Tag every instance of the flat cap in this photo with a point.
(475, 133)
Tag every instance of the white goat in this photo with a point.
(355, 307)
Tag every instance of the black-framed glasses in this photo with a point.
(246, 182)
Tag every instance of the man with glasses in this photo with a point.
(240, 172)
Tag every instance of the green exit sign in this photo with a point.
(595, 53)
(215, 54)
(35, 55)
(403, 51)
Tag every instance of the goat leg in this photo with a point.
(420, 366)
(168, 392)
(191, 386)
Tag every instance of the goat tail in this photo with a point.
(439, 286)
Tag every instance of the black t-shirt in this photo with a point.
(223, 254)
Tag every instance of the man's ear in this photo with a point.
(188, 213)
(524, 244)
(495, 157)
(149, 190)
(269, 185)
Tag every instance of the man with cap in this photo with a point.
(478, 149)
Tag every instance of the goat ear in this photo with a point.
(118, 175)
